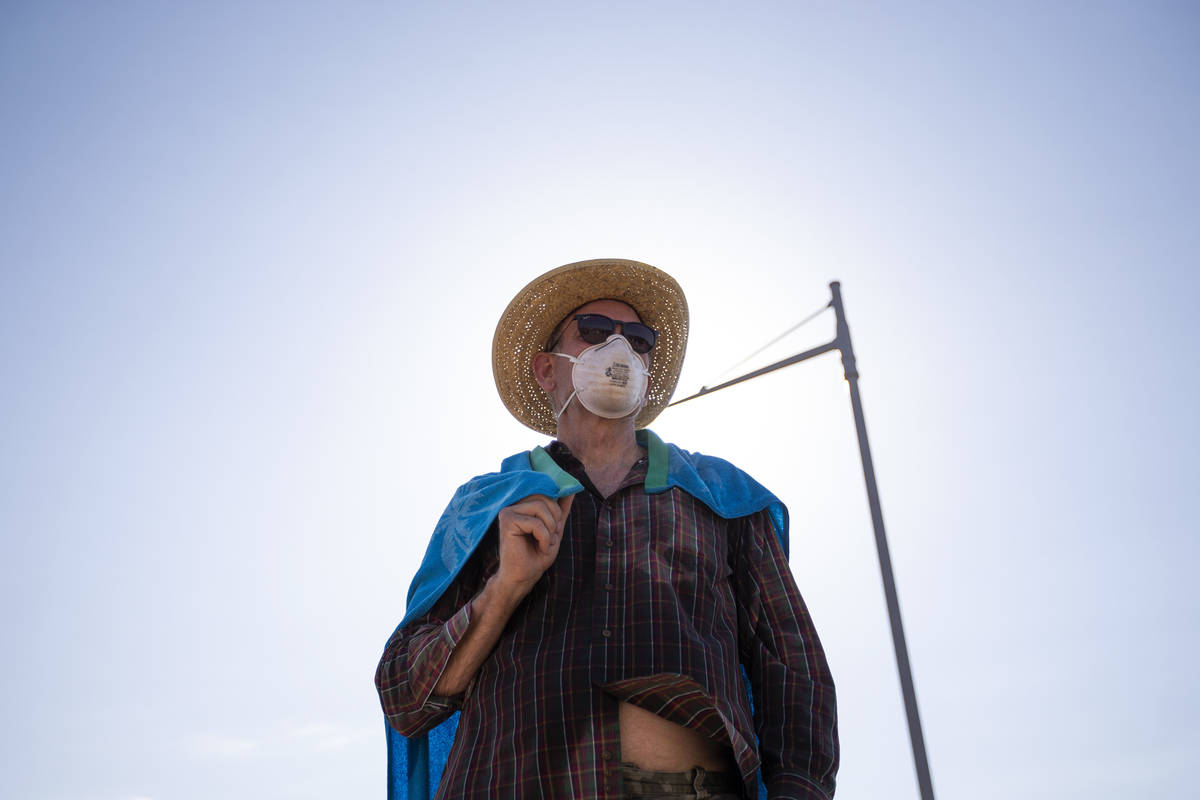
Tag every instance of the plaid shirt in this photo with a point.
(653, 600)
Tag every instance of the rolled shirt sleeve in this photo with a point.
(415, 659)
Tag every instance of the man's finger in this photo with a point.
(564, 505)
(544, 536)
(529, 525)
(540, 506)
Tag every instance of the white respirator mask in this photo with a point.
(609, 379)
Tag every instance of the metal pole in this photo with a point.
(885, 560)
(787, 362)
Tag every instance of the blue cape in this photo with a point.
(415, 765)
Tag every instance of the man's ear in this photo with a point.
(543, 371)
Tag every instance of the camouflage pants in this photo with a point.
(694, 784)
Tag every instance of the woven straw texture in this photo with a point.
(526, 325)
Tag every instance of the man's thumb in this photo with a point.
(565, 504)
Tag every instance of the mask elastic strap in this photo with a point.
(570, 397)
(573, 360)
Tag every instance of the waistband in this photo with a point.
(697, 782)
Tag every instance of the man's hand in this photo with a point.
(530, 533)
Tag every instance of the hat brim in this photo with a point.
(526, 325)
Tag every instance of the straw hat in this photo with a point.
(525, 327)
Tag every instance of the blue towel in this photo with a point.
(415, 765)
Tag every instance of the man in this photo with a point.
(589, 618)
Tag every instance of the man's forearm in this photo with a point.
(490, 612)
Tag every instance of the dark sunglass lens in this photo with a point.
(594, 328)
(639, 344)
(641, 337)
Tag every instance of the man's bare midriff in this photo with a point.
(651, 742)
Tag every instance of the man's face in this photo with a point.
(554, 373)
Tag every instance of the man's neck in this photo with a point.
(606, 448)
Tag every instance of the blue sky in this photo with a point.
(251, 257)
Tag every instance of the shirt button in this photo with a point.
(608, 542)
(606, 633)
(608, 587)
(607, 755)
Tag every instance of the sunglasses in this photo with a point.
(596, 328)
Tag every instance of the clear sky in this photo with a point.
(252, 254)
